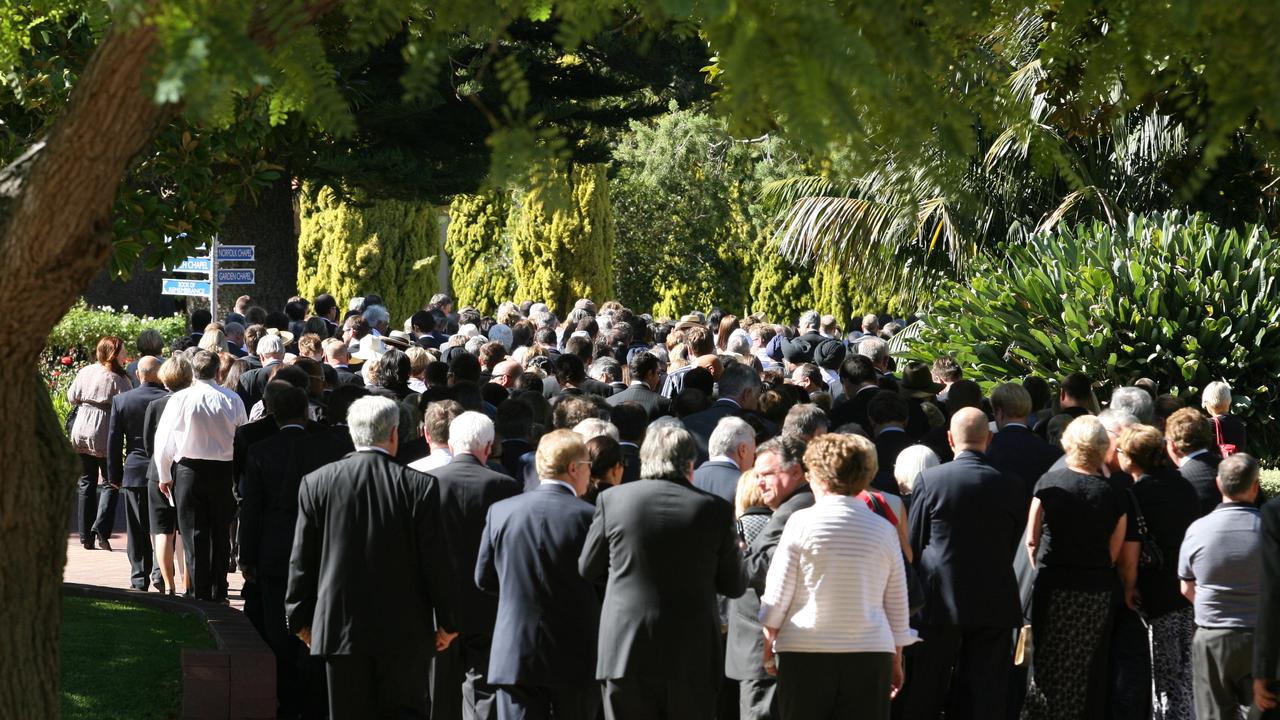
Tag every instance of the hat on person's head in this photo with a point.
(774, 348)
(448, 355)
(372, 347)
(585, 304)
(917, 381)
(689, 321)
(286, 337)
(398, 340)
(500, 333)
(797, 351)
(829, 354)
(468, 331)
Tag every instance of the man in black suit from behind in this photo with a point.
(1015, 449)
(1189, 440)
(544, 641)
(513, 425)
(127, 463)
(467, 489)
(253, 383)
(645, 375)
(888, 413)
(337, 356)
(1266, 637)
(965, 523)
(631, 420)
(739, 392)
(665, 550)
(858, 376)
(274, 468)
(779, 469)
(733, 450)
(369, 571)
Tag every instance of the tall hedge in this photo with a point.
(1171, 298)
(562, 235)
(480, 264)
(349, 247)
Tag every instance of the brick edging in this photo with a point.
(237, 680)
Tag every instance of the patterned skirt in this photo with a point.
(1069, 629)
(1172, 696)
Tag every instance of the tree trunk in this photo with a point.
(268, 225)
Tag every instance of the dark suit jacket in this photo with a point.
(1018, 451)
(595, 387)
(854, 409)
(936, 440)
(1266, 637)
(512, 452)
(653, 402)
(149, 423)
(1202, 472)
(888, 445)
(630, 462)
(701, 424)
(744, 658)
(666, 550)
(467, 489)
(348, 377)
(719, 478)
(965, 524)
(269, 494)
(253, 383)
(127, 456)
(368, 567)
(548, 615)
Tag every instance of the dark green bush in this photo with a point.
(1171, 298)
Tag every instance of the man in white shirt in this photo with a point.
(436, 424)
(197, 432)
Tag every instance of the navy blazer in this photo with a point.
(127, 456)
(1018, 451)
(965, 525)
(548, 615)
(719, 478)
(1202, 472)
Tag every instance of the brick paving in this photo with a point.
(111, 569)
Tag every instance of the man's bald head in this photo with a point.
(969, 430)
(148, 369)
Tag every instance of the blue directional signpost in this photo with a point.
(215, 276)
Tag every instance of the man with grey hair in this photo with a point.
(732, 448)
(780, 471)
(368, 573)
(253, 383)
(467, 488)
(877, 351)
(1135, 401)
(658, 537)
(379, 320)
(806, 421)
(1219, 564)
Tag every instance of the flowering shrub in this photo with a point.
(71, 344)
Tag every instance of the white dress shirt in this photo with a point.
(553, 481)
(837, 583)
(198, 423)
(438, 458)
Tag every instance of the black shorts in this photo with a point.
(164, 517)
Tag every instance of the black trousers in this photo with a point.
(286, 646)
(827, 686)
(758, 699)
(1130, 691)
(137, 518)
(202, 489)
(479, 698)
(365, 686)
(565, 702)
(961, 669)
(651, 699)
(447, 675)
(97, 505)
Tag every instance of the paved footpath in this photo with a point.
(111, 569)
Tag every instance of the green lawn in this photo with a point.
(121, 660)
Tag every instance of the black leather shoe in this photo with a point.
(89, 545)
(104, 544)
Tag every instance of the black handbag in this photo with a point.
(1150, 557)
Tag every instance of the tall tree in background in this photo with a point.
(480, 272)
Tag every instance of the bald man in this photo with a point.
(965, 523)
(127, 462)
(506, 373)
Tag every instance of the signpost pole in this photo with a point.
(213, 278)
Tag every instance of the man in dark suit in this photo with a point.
(369, 572)
(1016, 450)
(1075, 398)
(1190, 442)
(733, 449)
(665, 550)
(965, 523)
(467, 489)
(253, 383)
(780, 471)
(513, 424)
(645, 375)
(337, 356)
(1266, 637)
(274, 468)
(858, 376)
(127, 463)
(544, 641)
(739, 391)
(888, 413)
(632, 420)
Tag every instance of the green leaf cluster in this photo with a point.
(351, 247)
(480, 266)
(1168, 297)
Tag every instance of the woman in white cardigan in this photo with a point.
(834, 608)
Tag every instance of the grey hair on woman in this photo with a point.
(372, 419)
(668, 453)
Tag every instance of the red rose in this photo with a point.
(56, 373)
(66, 360)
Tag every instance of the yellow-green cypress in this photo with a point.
(349, 247)
(480, 271)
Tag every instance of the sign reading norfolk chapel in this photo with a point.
(208, 266)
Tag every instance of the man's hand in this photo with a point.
(898, 678)
(770, 661)
(1263, 696)
(305, 636)
(166, 488)
(444, 639)
(1132, 598)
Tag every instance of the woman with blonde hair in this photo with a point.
(749, 508)
(90, 396)
(1075, 531)
(175, 374)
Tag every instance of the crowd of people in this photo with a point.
(520, 516)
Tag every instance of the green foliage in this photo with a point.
(350, 247)
(562, 237)
(480, 266)
(1175, 299)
